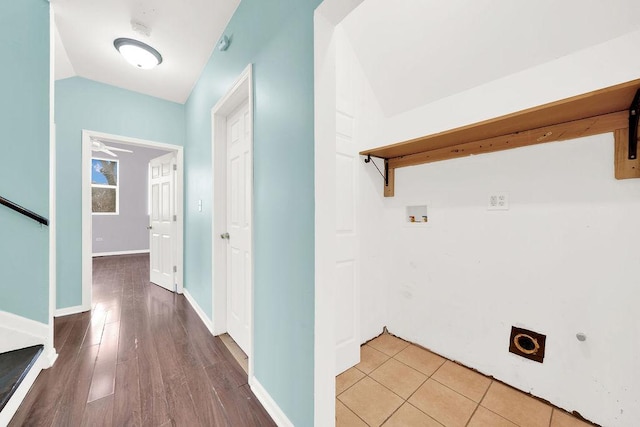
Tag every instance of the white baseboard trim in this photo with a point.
(205, 319)
(269, 404)
(14, 403)
(70, 310)
(22, 324)
(19, 332)
(134, 252)
(51, 356)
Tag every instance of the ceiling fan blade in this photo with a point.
(109, 152)
(118, 149)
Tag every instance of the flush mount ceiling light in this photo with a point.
(138, 54)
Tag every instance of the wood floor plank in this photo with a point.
(225, 377)
(208, 348)
(104, 374)
(96, 327)
(126, 406)
(181, 407)
(40, 407)
(169, 363)
(72, 404)
(37, 395)
(99, 413)
(141, 357)
(210, 411)
(178, 395)
(62, 328)
(154, 410)
(127, 341)
(243, 409)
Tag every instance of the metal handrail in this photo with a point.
(26, 212)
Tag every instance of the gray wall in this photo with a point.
(126, 231)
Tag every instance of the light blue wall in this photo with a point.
(85, 104)
(24, 174)
(278, 39)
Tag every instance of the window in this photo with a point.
(104, 187)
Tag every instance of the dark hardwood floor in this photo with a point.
(141, 357)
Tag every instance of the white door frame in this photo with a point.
(240, 92)
(326, 18)
(87, 247)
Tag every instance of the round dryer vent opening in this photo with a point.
(528, 344)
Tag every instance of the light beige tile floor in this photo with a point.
(398, 384)
(236, 351)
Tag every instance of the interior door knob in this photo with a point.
(224, 236)
(149, 227)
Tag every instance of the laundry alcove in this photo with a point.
(458, 284)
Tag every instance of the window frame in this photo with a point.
(116, 187)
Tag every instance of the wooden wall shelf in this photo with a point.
(600, 111)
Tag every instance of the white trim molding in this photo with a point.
(326, 18)
(134, 252)
(241, 91)
(49, 357)
(53, 223)
(199, 311)
(269, 404)
(19, 332)
(71, 310)
(87, 249)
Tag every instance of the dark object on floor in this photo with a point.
(14, 366)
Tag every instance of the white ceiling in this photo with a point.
(417, 51)
(184, 32)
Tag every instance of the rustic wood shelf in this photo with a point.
(600, 111)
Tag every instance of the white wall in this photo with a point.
(375, 270)
(127, 230)
(560, 261)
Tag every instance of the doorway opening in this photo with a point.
(99, 148)
(232, 220)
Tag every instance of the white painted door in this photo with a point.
(239, 194)
(162, 227)
(346, 193)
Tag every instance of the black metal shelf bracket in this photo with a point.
(26, 212)
(384, 175)
(634, 116)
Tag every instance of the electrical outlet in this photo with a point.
(498, 201)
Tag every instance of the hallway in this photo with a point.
(141, 357)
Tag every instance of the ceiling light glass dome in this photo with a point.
(138, 54)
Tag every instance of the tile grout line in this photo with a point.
(417, 388)
(377, 382)
(354, 412)
(407, 399)
(347, 406)
(343, 391)
(501, 415)
(478, 405)
(403, 399)
(421, 384)
(431, 376)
